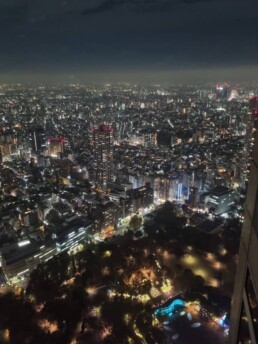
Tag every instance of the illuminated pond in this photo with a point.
(173, 307)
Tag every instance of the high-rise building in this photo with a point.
(37, 138)
(55, 146)
(162, 188)
(193, 197)
(102, 139)
(30, 218)
(139, 198)
(106, 217)
(146, 137)
(221, 200)
(253, 105)
(221, 91)
(244, 161)
(233, 95)
(244, 313)
(8, 142)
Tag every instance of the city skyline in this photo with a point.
(126, 198)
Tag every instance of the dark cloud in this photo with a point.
(126, 34)
(198, 1)
(13, 13)
(107, 5)
(140, 5)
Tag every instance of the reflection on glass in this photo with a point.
(255, 220)
(253, 304)
(243, 331)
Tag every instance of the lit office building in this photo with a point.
(102, 139)
(71, 234)
(106, 217)
(139, 198)
(8, 142)
(193, 197)
(55, 146)
(222, 91)
(145, 137)
(221, 199)
(19, 259)
(37, 139)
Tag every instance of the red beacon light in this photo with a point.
(255, 113)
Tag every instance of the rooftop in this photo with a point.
(220, 190)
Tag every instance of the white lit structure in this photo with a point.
(221, 199)
(71, 238)
(19, 259)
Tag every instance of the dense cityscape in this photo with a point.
(121, 210)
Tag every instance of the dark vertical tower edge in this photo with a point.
(244, 313)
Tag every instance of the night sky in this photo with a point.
(128, 39)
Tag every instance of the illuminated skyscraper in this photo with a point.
(37, 138)
(102, 139)
(55, 145)
(248, 122)
(221, 91)
(253, 105)
(8, 142)
(244, 314)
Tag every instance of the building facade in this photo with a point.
(102, 139)
(37, 139)
(20, 258)
(8, 142)
(221, 199)
(138, 198)
(244, 313)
